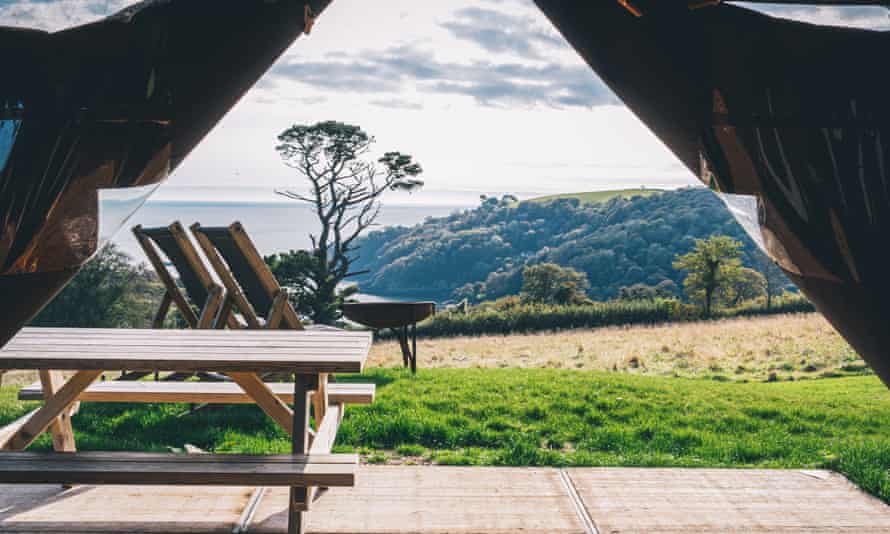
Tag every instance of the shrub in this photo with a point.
(534, 317)
(505, 316)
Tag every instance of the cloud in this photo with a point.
(54, 15)
(865, 17)
(494, 84)
(499, 32)
(395, 103)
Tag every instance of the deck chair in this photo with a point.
(251, 288)
(200, 288)
(202, 291)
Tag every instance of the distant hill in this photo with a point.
(481, 252)
(599, 196)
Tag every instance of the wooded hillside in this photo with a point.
(480, 252)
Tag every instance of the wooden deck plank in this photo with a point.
(456, 500)
(712, 501)
(200, 392)
(46, 509)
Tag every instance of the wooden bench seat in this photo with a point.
(326, 470)
(200, 392)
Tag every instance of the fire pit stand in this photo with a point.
(400, 317)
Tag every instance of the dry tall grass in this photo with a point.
(785, 346)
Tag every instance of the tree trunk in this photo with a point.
(708, 294)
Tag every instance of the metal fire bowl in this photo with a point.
(388, 314)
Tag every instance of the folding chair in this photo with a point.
(204, 293)
(251, 288)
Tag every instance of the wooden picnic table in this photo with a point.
(241, 354)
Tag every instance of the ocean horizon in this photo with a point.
(273, 226)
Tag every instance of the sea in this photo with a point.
(273, 226)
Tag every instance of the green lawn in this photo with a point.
(551, 417)
(599, 196)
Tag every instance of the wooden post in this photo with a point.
(303, 384)
(63, 434)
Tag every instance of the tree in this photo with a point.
(344, 188)
(712, 265)
(665, 289)
(293, 270)
(551, 284)
(774, 278)
(109, 291)
(748, 285)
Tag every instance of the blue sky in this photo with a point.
(485, 94)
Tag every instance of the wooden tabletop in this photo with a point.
(308, 351)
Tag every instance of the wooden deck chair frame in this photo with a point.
(207, 316)
(280, 312)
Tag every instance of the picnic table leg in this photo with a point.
(320, 399)
(300, 445)
(52, 407)
(63, 434)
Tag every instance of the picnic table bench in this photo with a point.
(242, 355)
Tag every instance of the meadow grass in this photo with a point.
(740, 349)
(548, 417)
(591, 197)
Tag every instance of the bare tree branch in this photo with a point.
(344, 190)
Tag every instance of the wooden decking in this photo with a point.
(419, 500)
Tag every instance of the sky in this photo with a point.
(485, 94)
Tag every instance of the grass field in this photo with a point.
(788, 346)
(764, 392)
(599, 196)
(549, 417)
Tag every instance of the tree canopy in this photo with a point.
(108, 292)
(344, 187)
(713, 266)
(548, 283)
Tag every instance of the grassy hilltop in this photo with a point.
(591, 197)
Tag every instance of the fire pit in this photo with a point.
(398, 317)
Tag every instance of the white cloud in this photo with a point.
(486, 95)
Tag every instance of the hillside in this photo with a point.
(480, 252)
